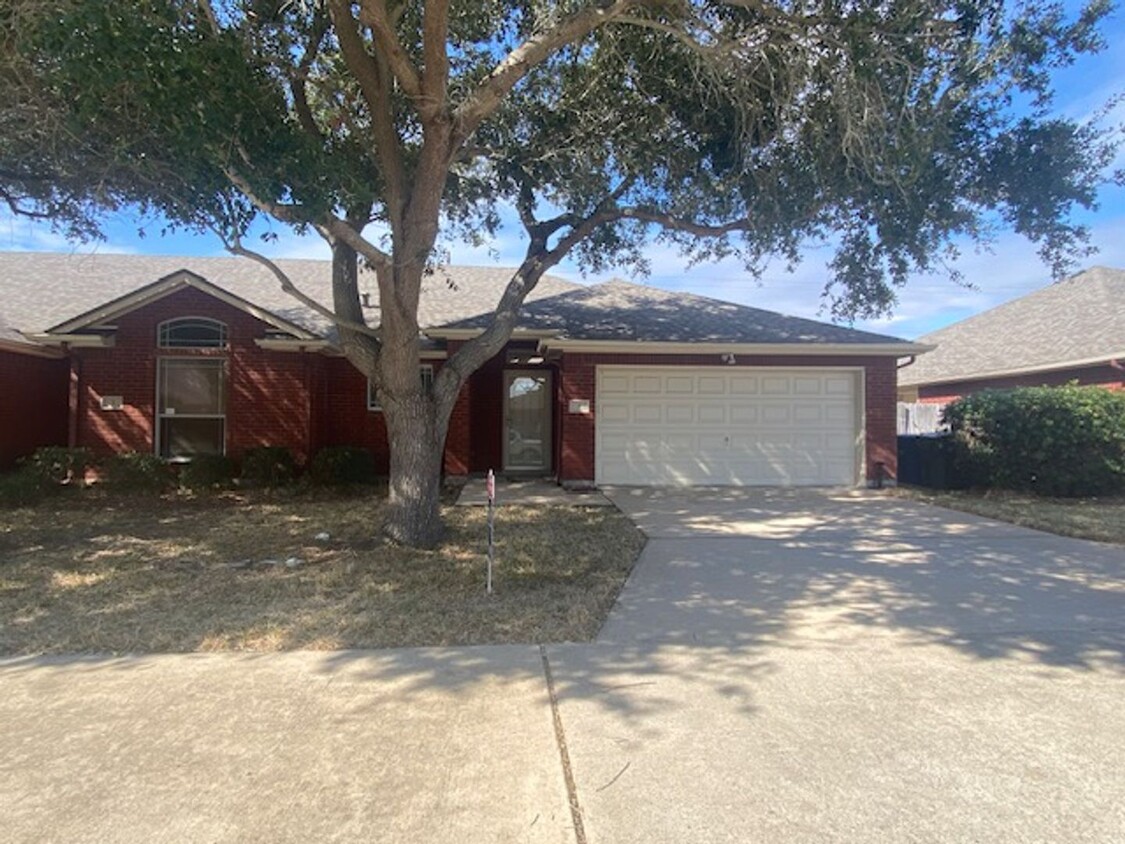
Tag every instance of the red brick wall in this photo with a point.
(33, 401)
(578, 380)
(344, 417)
(268, 401)
(1104, 376)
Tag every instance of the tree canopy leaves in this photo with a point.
(744, 127)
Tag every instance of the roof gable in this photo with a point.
(1080, 320)
(166, 286)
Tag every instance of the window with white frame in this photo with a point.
(191, 333)
(425, 373)
(190, 407)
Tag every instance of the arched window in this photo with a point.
(192, 333)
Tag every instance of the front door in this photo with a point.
(527, 420)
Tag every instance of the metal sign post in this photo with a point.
(490, 488)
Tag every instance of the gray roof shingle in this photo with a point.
(41, 290)
(618, 310)
(1079, 319)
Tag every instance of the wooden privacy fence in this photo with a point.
(919, 418)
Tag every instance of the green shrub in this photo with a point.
(1064, 441)
(208, 471)
(55, 464)
(134, 472)
(21, 488)
(268, 466)
(343, 464)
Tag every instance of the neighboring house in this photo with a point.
(1073, 330)
(610, 383)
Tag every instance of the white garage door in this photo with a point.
(723, 426)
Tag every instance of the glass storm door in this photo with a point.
(527, 420)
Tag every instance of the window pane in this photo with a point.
(188, 437)
(192, 387)
(192, 333)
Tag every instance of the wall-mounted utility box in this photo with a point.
(579, 406)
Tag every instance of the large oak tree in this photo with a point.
(888, 128)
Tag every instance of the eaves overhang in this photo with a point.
(797, 349)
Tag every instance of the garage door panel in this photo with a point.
(614, 385)
(776, 414)
(614, 411)
(648, 414)
(744, 385)
(712, 385)
(726, 427)
(679, 414)
(808, 414)
(679, 385)
(742, 414)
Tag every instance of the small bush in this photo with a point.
(208, 471)
(20, 488)
(341, 465)
(1060, 441)
(134, 472)
(53, 465)
(268, 466)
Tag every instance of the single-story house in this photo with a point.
(608, 383)
(1073, 330)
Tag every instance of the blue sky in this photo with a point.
(1008, 269)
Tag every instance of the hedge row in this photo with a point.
(48, 470)
(1058, 441)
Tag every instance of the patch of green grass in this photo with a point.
(1101, 519)
(91, 574)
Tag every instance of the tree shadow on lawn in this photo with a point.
(726, 612)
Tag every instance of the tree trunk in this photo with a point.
(416, 434)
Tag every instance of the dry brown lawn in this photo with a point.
(86, 574)
(1101, 519)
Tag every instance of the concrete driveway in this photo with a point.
(839, 666)
(781, 666)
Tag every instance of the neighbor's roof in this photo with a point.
(1070, 323)
(620, 311)
(39, 290)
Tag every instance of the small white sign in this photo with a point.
(112, 403)
(579, 406)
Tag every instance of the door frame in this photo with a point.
(548, 419)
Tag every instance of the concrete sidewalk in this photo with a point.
(441, 745)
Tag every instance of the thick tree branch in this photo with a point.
(235, 247)
(282, 211)
(374, 83)
(488, 95)
(298, 79)
(335, 228)
(670, 221)
(373, 13)
(435, 73)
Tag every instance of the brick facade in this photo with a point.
(33, 404)
(269, 393)
(307, 401)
